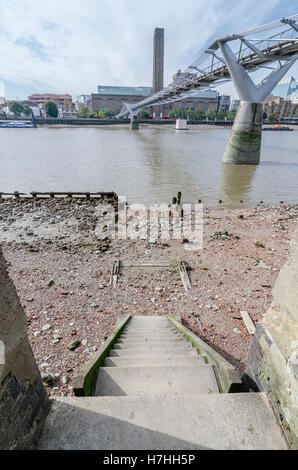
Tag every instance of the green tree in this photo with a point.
(211, 114)
(265, 115)
(92, 114)
(15, 107)
(83, 111)
(144, 114)
(200, 114)
(108, 113)
(231, 115)
(296, 112)
(221, 114)
(51, 109)
(173, 114)
(272, 117)
(27, 111)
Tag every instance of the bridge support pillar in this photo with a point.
(134, 123)
(244, 144)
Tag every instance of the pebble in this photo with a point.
(261, 264)
(57, 336)
(48, 379)
(73, 345)
(46, 327)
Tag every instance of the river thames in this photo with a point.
(149, 165)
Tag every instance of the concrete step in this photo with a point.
(133, 333)
(136, 337)
(152, 352)
(157, 380)
(163, 360)
(152, 341)
(215, 421)
(149, 319)
(147, 324)
(161, 329)
(157, 345)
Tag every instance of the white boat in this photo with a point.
(11, 124)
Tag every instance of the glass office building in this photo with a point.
(286, 87)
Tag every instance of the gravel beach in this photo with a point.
(62, 275)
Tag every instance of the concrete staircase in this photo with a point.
(156, 392)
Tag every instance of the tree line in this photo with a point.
(85, 112)
(18, 108)
(190, 114)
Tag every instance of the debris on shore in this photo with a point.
(62, 273)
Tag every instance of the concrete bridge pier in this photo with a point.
(134, 123)
(244, 146)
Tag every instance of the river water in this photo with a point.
(149, 165)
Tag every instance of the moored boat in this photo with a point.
(277, 127)
(14, 124)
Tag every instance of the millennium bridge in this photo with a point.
(273, 46)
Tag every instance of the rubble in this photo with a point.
(224, 279)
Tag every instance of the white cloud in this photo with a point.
(74, 45)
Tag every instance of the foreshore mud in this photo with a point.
(62, 273)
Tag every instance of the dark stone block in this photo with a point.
(33, 416)
(11, 387)
(254, 361)
(27, 399)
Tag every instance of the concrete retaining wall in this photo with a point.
(272, 364)
(85, 381)
(24, 401)
(227, 377)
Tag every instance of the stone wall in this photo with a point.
(24, 401)
(272, 364)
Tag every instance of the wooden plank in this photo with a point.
(149, 264)
(53, 194)
(183, 274)
(12, 194)
(115, 273)
(78, 193)
(248, 323)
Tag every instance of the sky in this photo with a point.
(72, 46)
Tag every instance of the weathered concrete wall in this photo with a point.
(24, 401)
(273, 358)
